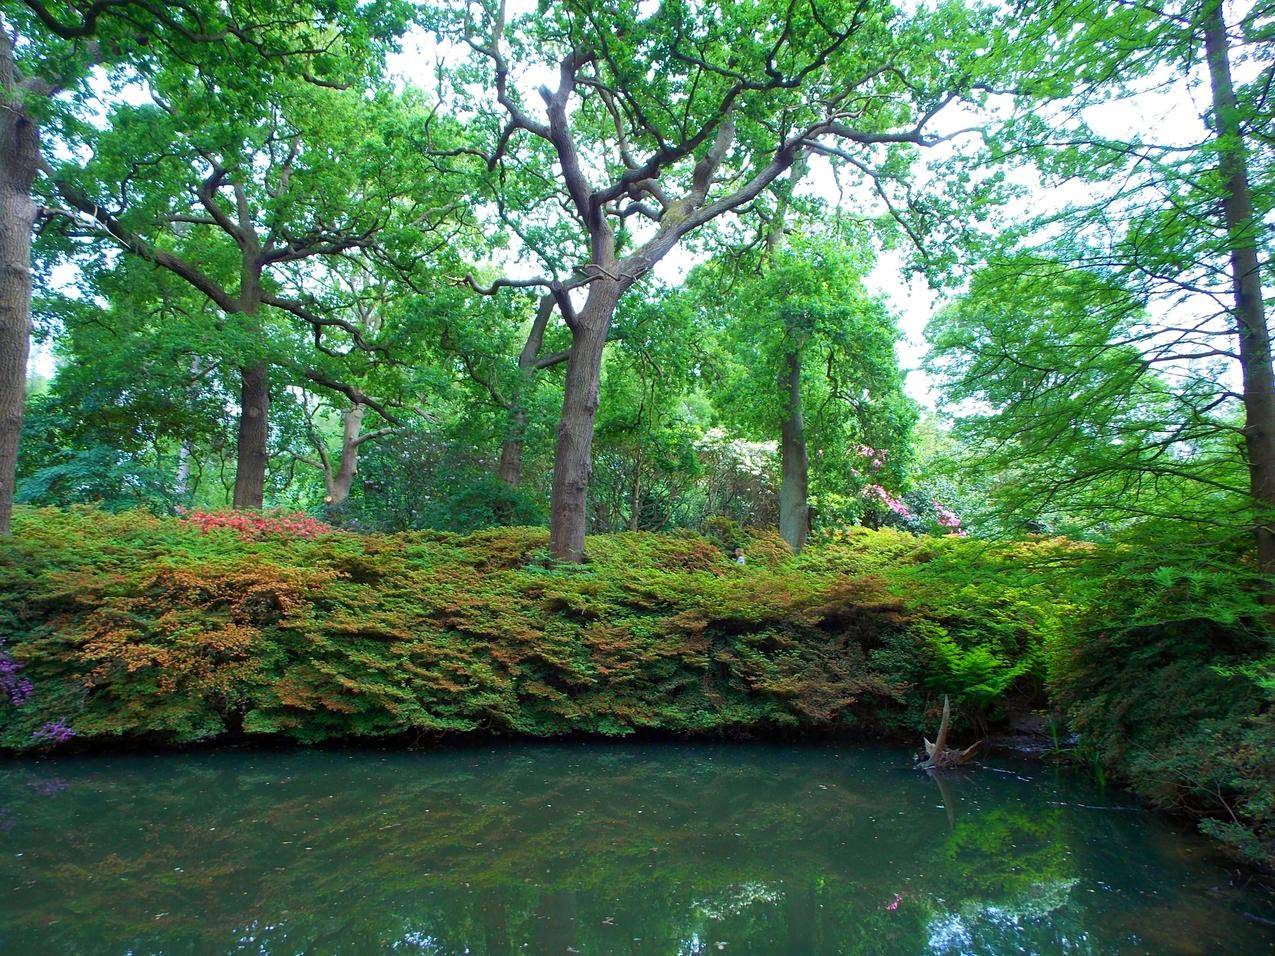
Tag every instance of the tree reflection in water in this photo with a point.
(626, 849)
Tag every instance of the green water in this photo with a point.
(626, 849)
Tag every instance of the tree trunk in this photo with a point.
(340, 482)
(568, 502)
(794, 507)
(794, 482)
(635, 491)
(182, 482)
(254, 433)
(181, 486)
(1250, 316)
(19, 158)
(510, 468)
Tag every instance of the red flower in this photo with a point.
(254, 524)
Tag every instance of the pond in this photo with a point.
(598, 848)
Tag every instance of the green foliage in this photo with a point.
(1169, 679)
(809, 299)
(481, 501)
(1064, 412)
(140, 627)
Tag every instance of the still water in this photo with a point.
(597, 849)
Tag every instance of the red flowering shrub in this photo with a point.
(256, 524)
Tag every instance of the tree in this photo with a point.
(661, 122)
(1243, 235)
(1080, 414)
(49, 49)
(382, 307)
(243, 203)
(810, 359)
(137, 408)
(1181, 221)
(482, 338)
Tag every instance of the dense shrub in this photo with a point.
(1169, 680)
(133, 626)
(128, 626)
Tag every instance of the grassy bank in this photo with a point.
(149, 630)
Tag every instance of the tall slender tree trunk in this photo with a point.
(794, 459)
(509, 470)
(19, 159)
(1250, 316)
(635, 492)
(181, 484)
(340, 482)
(794, 485)
(254, 434)
(568, 502)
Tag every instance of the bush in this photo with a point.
(132, 627)
(137, 627)
(257, 524)
(1169, 679)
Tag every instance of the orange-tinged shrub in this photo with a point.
(128, 625)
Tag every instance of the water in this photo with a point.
(597, 849)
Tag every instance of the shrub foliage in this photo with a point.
(136, 628)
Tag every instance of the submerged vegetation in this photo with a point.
(133, 628)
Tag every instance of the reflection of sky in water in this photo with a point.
(734, 899)
(981, 927)
(585, 848)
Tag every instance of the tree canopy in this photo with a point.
(450, 264)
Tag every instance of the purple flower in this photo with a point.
(17, 689)
(54, 732)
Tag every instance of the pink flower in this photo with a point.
(887, 499)
(894, 903)
(948, 518)
(875, 456)
(249, 525)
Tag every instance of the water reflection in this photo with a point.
(593, 849)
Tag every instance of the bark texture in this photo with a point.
(794, 485)
(254, 433)
(572, 463)
(509, 470)
(19, 159)
(1250, 316)
(341, 480)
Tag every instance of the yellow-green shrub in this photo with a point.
(133, 626)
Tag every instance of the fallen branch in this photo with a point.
(938, 755)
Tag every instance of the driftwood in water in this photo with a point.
(938, 755)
